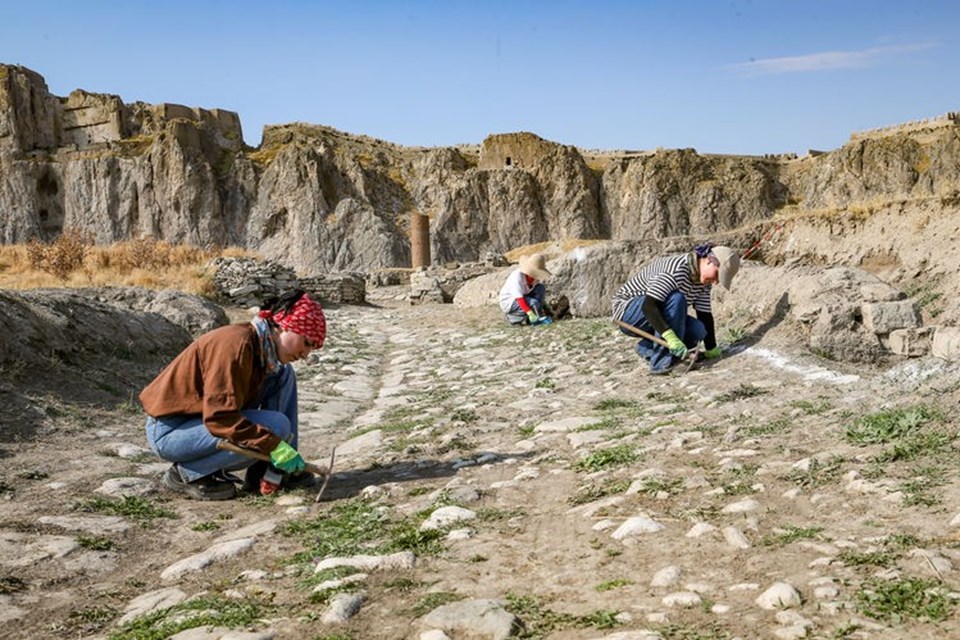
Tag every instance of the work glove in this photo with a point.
(533, 317)
(675, 344)
(711, 354)
(286, 458)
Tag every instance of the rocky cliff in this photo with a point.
(318, 199)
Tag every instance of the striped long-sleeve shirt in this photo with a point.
(659, 278)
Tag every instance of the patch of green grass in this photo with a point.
(526, 431)
(545, 383)
(733, 334)
(540, 620)
(96, 543)
(812, 408)
(711, 631)
(652, 486)
(613, 584)
(790, 534)
(896, 601)
(616, 456)
(916, 492)
(464, 415)
(92, 618)
(589, 493)
(916, 445)
(818, 473)
(615, 404)
(741, 481)
(780, 425)
(745, 390)
(203, 611)
(886, 426)
(356, 526)
(493, 514)
(140, 510)
(431, 601)
(853, 558)
(206, 526)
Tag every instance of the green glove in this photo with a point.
(675, 344)
(533, 317)
(716, 352)
(286, 458)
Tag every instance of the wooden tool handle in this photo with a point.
(226, 445)
(642, 333)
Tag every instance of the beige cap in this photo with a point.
(729, 264)
(534, 265)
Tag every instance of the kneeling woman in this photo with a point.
(234, 383)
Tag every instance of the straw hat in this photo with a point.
(535, 266)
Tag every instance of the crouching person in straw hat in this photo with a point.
(656, 300)
(523, 295)
(236, 383)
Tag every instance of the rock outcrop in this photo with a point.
(319, 200)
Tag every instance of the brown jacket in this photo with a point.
(216, 376)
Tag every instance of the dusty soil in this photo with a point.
(769, 466)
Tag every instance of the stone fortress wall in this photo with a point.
(32, 119)
(949, 119)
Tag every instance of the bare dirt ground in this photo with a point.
(603, 501)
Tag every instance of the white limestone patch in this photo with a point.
(811, 373)
(204, 559)
(666, 577)
(400, 560)
(151, 601)
(682, 599)
(446, 516)
(635, 526)
(780, 595)
(96, 525)
(343, 606)
(23, 550)
(132, 487)
(363, 443)
(565, 424)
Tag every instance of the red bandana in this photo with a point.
(306, 319)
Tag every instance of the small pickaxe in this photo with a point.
(226, 445)
(692, 354)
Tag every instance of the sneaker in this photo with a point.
(664, 371)
(205, 488)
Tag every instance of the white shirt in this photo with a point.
(515, 287)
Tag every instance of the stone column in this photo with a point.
(420, 240)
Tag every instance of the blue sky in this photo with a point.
(724, 76)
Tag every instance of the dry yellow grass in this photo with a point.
(73, 261)
(549, 249)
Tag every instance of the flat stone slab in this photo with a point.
(202, 560)
(150, 602)
(97, 525)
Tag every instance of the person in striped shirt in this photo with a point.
(656, 301)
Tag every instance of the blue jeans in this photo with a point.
(534, 299)
(185, 440)
(674, 311)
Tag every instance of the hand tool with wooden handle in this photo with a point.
(226, 445)
(691, 354)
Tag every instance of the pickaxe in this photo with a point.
(226, 445)
(691, 354)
